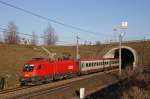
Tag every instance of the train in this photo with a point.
(43, 71)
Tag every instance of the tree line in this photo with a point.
(12, 36)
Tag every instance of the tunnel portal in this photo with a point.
(128, 56)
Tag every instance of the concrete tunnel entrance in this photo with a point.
(129, 56)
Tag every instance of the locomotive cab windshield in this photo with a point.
(28, 67)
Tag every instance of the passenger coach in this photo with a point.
(89, 66)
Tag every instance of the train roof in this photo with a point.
(50, 61)
(41, 60)
(94, 59)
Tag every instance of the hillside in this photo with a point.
(13, 56)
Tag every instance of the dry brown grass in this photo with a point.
(12, 57)
(136, 93)
(140, 88)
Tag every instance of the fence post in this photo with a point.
(82, 92)
(2, 83)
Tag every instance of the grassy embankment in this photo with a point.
(12, 57)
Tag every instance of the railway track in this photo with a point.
(36, 91)
(46, 92)
(53, 90)
(146, 69)
(14, 89)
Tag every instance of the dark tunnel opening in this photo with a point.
(126, 56)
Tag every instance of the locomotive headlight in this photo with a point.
(26, 75)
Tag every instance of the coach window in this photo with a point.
(86, 64)
(92, 64)
(82, 64)
(89, 64)
(39, 67)
(101, 63)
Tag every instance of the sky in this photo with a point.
(99, 16)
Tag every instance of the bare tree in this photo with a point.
(97, 43)
(85, 43)
(50, 36)
(1, 39)
(34, 39)
(10, 35)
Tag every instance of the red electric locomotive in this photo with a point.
(42, 71)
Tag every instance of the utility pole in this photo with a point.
(124, 26)
(115, 34)
(120, 60)
(143, 51)
(77, 48)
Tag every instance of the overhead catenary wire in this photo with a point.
(42, 37)
(16, 32)
(63, 42)
(48, 19)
